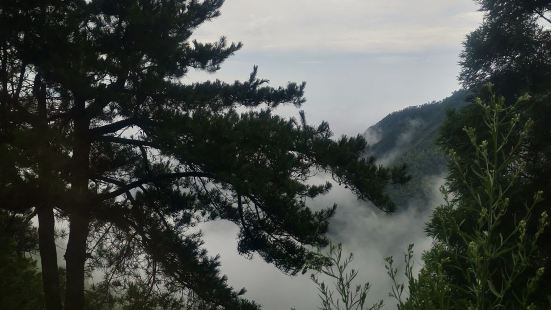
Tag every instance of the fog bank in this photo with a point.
(362, 229)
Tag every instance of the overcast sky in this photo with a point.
(361, 59)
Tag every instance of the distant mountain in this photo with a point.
(409, 136)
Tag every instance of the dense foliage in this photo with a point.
(491, 247)
(511, 48)
(485, 255)
(97, 124)
(20, 283)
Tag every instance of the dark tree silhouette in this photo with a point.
(510, 48)
(98, 124)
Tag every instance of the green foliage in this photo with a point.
(397, 289)
(343, 293)
(510, 48)
(485, 256)
(20, 282)
(427, 290)
(97, 121)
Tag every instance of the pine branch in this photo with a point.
(150, 179)
(116, 126)
(125, 141)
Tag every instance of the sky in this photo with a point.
(361, 60)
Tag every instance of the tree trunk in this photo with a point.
(75, 258)
(48, 258)
(79, 218)
(46, 220)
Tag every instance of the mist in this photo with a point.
(371, 235)
(400, 145)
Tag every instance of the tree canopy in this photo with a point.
(509, 54)
(511, 48)
(20, 281)
(512, 51)
(98, 123)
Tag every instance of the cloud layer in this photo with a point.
(361, 59)
(378, 26)
(363, 230)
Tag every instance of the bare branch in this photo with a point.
(542, 15)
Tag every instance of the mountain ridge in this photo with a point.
(409, 136)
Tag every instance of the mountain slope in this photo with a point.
(409, 136)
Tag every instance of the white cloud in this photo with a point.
(362, 59)
(344, 25)
(363, 230)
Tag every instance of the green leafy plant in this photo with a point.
(486, 253)
(343, 293)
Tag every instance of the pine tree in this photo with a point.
(485, 255)
(510, 50)
(97, 123)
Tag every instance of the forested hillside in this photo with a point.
(410, 137)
